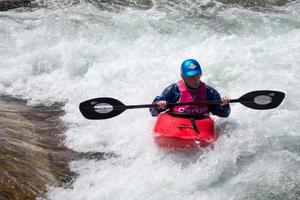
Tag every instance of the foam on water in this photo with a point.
(80, 52)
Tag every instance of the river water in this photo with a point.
(71, 51)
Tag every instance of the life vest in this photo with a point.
(187, 95)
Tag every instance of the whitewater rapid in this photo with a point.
(73, 53)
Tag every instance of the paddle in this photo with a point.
(105, 107)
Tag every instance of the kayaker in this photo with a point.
(191, 89)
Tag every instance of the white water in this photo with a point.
(75, 53)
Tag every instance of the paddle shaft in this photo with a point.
(209, 102)
(206, 102)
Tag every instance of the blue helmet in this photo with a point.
(190, 67)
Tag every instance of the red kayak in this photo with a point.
(181, 132)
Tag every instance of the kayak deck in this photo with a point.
(178, 132)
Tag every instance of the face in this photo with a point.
(193, 81)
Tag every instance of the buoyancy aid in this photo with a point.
(186, 95)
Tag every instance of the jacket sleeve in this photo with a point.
(171, 95)
(216, 109)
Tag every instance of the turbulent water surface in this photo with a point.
(71, 51)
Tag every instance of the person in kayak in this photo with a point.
(191, 89)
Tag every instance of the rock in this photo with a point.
(32, 151)
(10, 4)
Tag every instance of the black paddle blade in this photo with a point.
(262, 99)
(101, 108)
